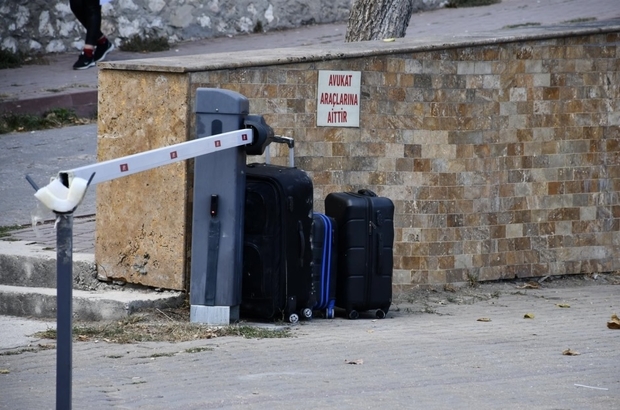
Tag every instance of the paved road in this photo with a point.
(445, 360)
(41, 154)
(17, 333)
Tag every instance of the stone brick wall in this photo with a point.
(502, 156)
(49, 26)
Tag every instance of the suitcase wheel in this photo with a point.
(380, 314)
(353, 314)
(293, 318)
(329, 313)
(306, 313)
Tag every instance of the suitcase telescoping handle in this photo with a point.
(366, 192)
(279, 139)
(374, 226)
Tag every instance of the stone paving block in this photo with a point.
(437, 360)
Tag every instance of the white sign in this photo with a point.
(338, 99)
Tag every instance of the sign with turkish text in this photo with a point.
(338, 99)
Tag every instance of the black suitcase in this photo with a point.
(324, 263)
(365, 224)
(277, 256)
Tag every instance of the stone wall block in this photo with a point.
(139, 239)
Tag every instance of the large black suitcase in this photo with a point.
(277, 257)
(325, 258)
(365, 224)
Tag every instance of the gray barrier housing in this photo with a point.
(217, 222)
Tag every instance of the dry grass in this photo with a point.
(171, 325)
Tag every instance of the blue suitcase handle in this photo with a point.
(324, 301)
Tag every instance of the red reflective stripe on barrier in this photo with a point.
(142, 161)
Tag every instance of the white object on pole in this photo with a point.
(132, 164)
(58, 198)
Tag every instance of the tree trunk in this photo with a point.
(378, 19)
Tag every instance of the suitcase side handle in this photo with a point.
(302, 243)
(380, 254)
(366, 192)
(379, 222)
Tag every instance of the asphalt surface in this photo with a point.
(440, 360)
(41, 155)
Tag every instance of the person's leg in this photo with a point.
(92, 13)
(88, 12)
(103, 46)
(77, 7)
(94, 36)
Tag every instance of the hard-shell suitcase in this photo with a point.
(365, 224)
(277, 255)
(324, 237)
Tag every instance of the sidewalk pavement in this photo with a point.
(40, 87)
(447, 357)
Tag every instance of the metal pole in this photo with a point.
(64, 309)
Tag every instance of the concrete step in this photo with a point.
(37, 302)
(28, 287)
(25, 263)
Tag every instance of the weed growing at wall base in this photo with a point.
(145, 44)
(56, 118)
(10, 59)
(579, 20)
(470, 3)
(5, 230)
(521, 25)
